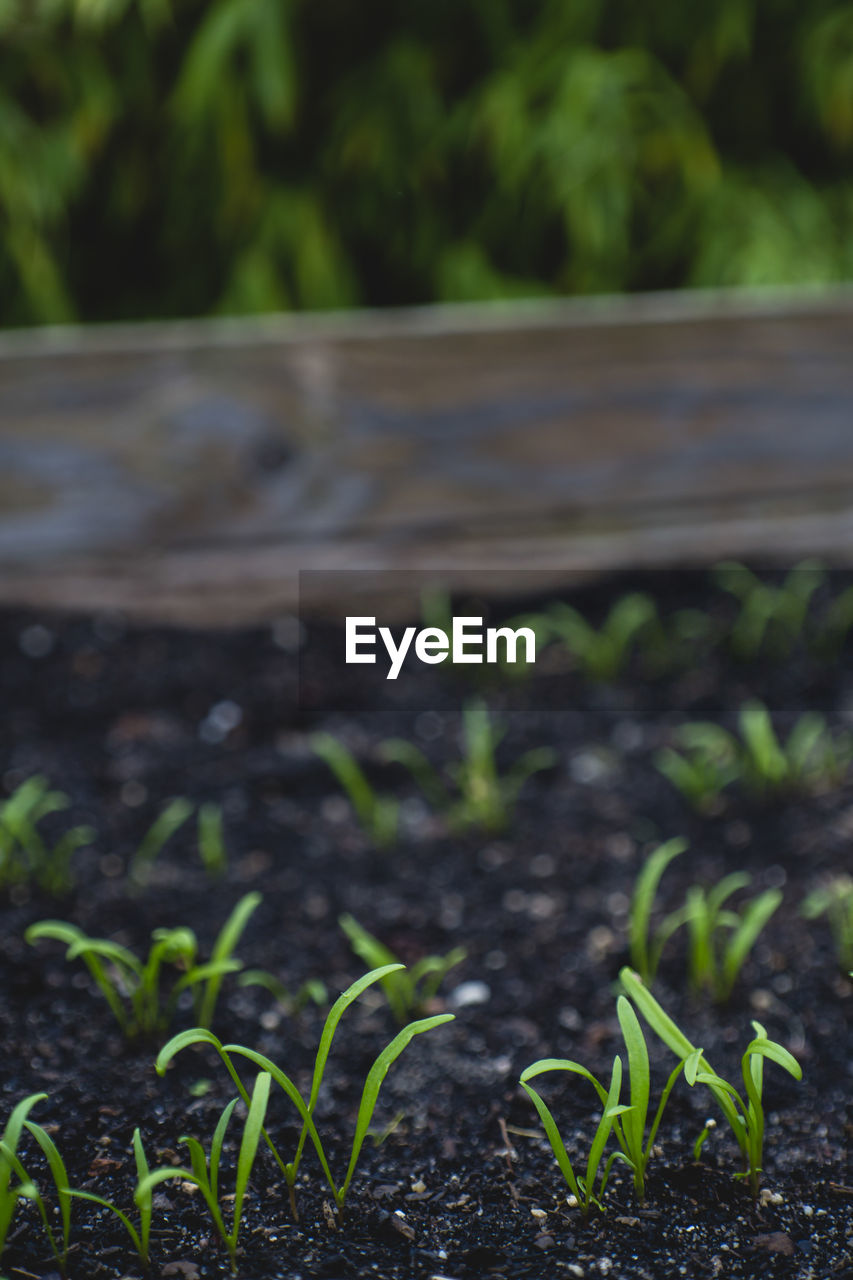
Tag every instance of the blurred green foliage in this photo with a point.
(166, 157)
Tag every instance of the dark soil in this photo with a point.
(464, 1184)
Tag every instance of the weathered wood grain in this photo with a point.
(188, 472)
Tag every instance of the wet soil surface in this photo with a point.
(458, 1180)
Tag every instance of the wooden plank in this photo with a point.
(187, 472)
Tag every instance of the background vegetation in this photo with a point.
(177, 157)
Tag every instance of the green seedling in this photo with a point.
(749, 1115)
(12, 1167)
(719, 940)
(132, 987)
(746, 1120)
(378, 815)
(714, 960)
(835, 900)
(211, 840)
(312, 991)
(25, 856)
(604, 654)
(408, 991)
(646, 951)
(771, 618)
(139, 1238)
(812, 758)
(205, 1173)
(484, 798)
(370, 1092)
(587, 1188)
(172, 818)
(705, 765)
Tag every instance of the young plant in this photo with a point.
(811, 758)
(369, 1096)
(170, 820)
(408, 991)
(715, 961)
(749, 1115)
(646, 950)
(484, 798)
(587, 1188)
(11, 1167)
(132, 987)
(139, 1238)
(603, 654)
(703, 767)
(25, 855)
(377, 814)
(746, 1119)
(205, 1171)
(770, 618)
(835, 900)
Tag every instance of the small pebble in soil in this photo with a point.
(469, 993)
(220, 720)
(591, 766)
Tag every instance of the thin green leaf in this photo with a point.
(227, 939)
(136, 1240)
(645, 891)
(249, 1145)
(216, 1146)
(638, 1074)
(754, 918)
(373, 1083)
(60, 1178)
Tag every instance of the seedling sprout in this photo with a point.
(370, 1092)
(132, 987)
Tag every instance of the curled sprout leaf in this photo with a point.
(589, 1188)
